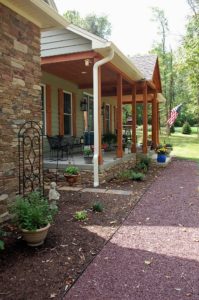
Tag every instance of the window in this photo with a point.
(67, 113)
(43, 107)
(88, 115)
(107, 118)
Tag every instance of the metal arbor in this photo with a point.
(30, 147)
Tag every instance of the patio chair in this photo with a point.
(55, 143)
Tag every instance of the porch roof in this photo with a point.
(37, 12)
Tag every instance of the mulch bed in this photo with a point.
(47, 272)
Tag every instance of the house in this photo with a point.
(76, 68)
(20, 77)
(79, 67)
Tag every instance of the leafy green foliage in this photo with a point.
(140, 166)
(186, 129)
(125, 175)
(131, 175)
(32, 212)
(146, 160)
(172, 129)
(109, 138)
(80, 215)
(98, 207)
(87, 152)
(72, 170)
(137, 176)
(98, 25)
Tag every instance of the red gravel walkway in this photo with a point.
(155, 253)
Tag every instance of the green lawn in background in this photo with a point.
(184, 146)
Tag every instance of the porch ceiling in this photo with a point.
(76, 71)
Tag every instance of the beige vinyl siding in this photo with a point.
(58, 83)
(62, 41)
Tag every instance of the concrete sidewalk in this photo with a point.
(155, 253)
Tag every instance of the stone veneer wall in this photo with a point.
(106, 173)
(20, 100)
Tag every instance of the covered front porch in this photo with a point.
(83, 97)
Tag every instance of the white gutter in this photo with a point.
(96, 119)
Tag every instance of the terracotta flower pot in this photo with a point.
(35, 238)
(71, 179)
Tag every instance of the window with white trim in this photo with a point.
(107, 118)
(68, 113)
(43, 107)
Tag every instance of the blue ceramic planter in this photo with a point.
(161, 158)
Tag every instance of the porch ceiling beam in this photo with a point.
(118, 71)
(151, 85)
(68, 57)
(90, 85)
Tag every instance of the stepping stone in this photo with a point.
(119, 192)
(93, 190)
(69, 188)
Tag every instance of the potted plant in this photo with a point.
(71, 174)
(109, 139)
(88, 155)
(169, 147)
(33, 214)
(161, 154)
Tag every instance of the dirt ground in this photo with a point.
(48, 271)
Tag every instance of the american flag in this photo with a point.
(173, 115)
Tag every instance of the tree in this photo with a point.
(165, 57)
(98, 25)
(190, 55)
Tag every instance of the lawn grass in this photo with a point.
(184, 146)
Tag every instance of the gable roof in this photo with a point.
(146, 64)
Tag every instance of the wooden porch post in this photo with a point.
(100, 159)
(145, 119)
(154, 120)
(158, 124)
(119, 116)
(133, 147)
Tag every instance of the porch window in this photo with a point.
(67, 113)
(43, 107)
(107, 118)
(88, 115)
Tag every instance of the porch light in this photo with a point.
(83, 104)
(87, 62)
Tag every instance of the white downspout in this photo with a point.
(96, 121)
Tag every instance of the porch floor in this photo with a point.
(77, 159)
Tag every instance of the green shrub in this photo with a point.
(145, 160)
(140, 166)
(72, 170)
(172, 129)
(98, 207)
(137, 176)
(33, 211)
(124, 175)
(80, 215)
(186, 128)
